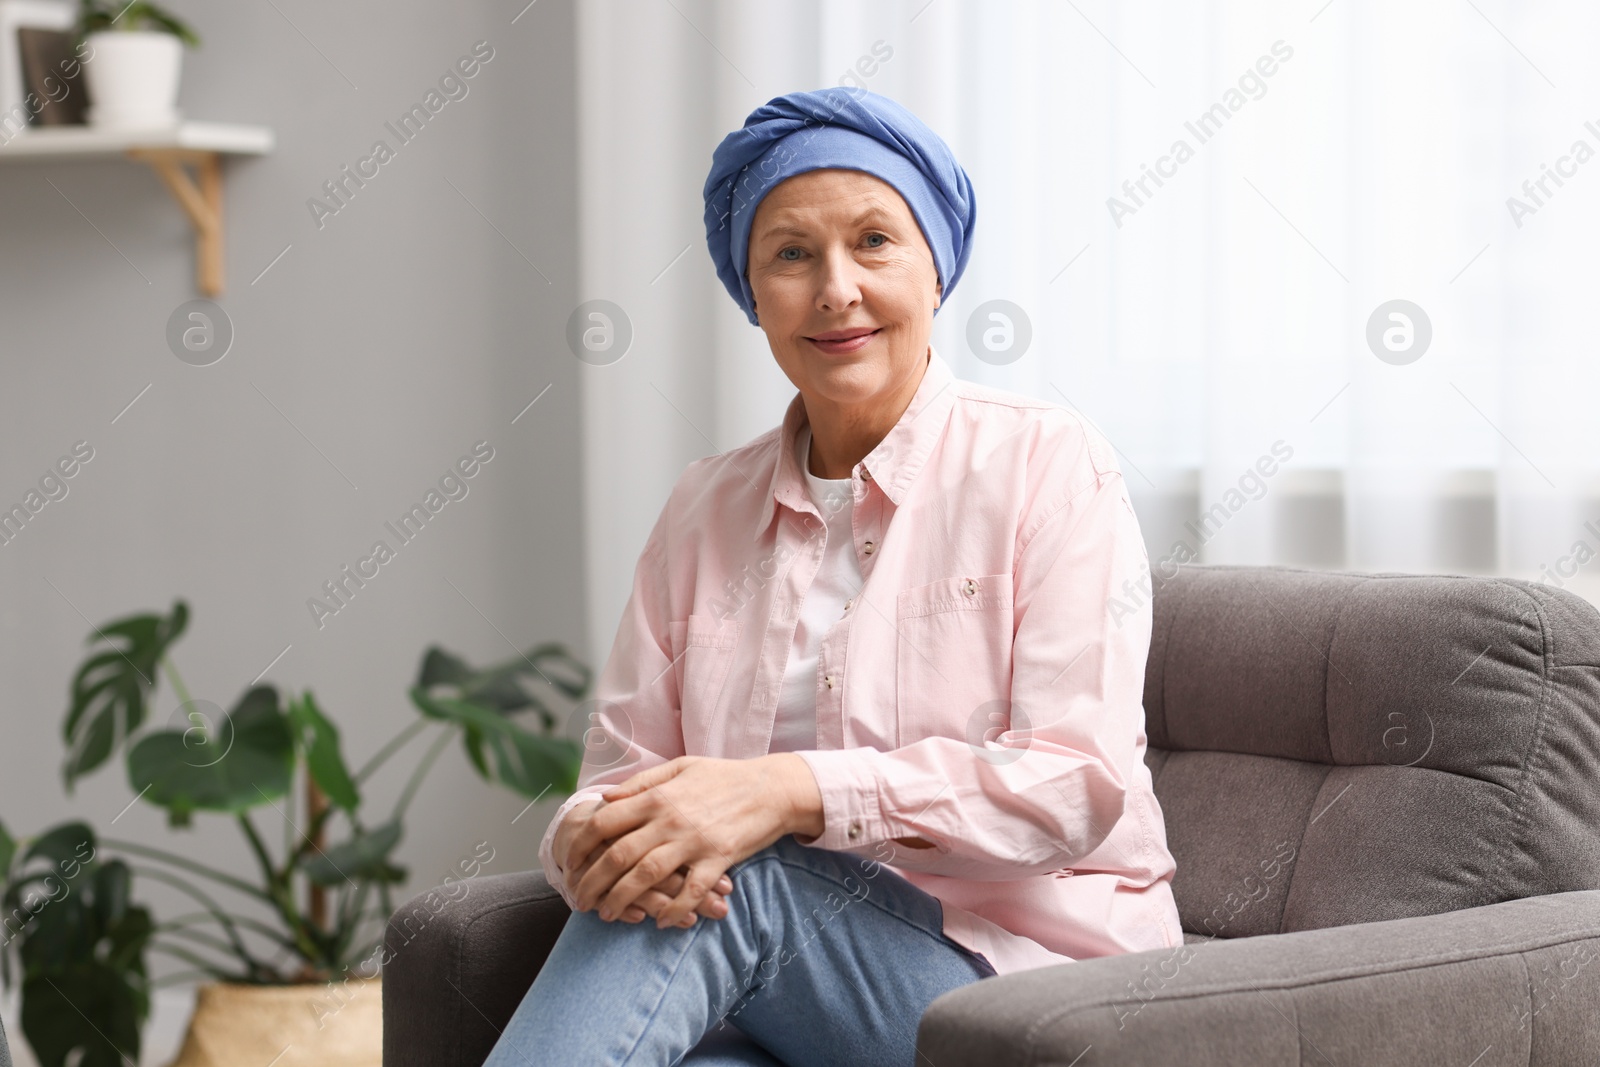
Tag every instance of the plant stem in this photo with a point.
(304, 943)
(350, 912)
(383, 913)
(245, 921)
(352, 959)
(200, 936)
(389, 749)
(309, 841)
(177, 683)
(189, 865)
(288, 815)
(189, 957)
(259, 849)
(316, 807)
(282, 898)
(421, 772)
(239, 948)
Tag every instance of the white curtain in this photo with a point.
(1356, 153)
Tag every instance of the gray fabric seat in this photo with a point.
(1383, 795)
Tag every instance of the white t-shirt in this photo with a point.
(838, 580)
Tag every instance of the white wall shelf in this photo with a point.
(168, 150)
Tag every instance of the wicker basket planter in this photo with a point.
(319, 1024)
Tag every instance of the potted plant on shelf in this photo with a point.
(285, 963)
(136, 54)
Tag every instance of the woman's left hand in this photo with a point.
(696, 811)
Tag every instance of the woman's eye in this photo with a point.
(870, 236)
(785, 253)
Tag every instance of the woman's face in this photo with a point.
(839, 250)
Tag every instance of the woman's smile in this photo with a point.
(843, 342)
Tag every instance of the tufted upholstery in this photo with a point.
(1345, 748)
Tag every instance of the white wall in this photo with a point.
(376, 351)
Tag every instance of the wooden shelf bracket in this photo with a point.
(170, 151)
(201, 199)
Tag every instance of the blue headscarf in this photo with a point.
(854, 129)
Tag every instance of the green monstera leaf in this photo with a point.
(442, 668)
(530, 763)
(45, 873)
(8, 849)
(245, 761)
(500, 687)
(81, 945)
(61, 887)
(110, 688)
(69, 845)
(364, 856)
(54, 1005)
(318, 738)
(482, 703)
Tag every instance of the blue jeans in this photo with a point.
(823, 958)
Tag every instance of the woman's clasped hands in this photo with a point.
(660, 843)
(652, 900)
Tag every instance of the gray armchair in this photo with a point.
(1383, 795)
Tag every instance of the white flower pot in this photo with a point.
(133, 78)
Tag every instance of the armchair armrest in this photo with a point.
(1516, 982)
(457, 963)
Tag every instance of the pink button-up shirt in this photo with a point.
(979, 692)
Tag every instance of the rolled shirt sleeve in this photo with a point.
(635, 722)
(1077, 675)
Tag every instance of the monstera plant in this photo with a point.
(80, 943)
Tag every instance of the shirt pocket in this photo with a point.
(953, 658)
(702, 651)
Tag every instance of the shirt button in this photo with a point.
(827, 680)
(970, 587)
(868, 547)
(866, 475)
(847, 603)
(854, 831)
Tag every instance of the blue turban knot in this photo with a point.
(853, 129)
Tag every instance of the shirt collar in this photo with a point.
(893, 463)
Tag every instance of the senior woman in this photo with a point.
(869, 730)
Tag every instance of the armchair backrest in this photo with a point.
(1334, 748)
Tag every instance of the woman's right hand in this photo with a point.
(652, 900)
